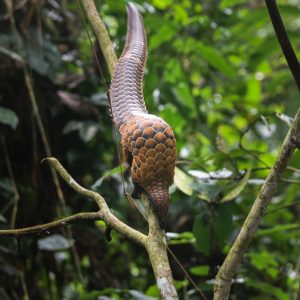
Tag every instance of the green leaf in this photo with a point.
(180, 238)
(180, 284)
(238, 189)
(183, 181)
(227, 3)
(253, 90)
(183, 94)
(162, 4)
(214, 58)
(223, 225)
(202, 230)
(267, 289)
(117, 170)
(164, 34)
(276, 229)
(8, 117)
(200, 270)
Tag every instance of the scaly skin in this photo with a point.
(148, 141)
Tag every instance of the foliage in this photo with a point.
(216, 74)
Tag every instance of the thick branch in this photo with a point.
(157, 251)
(227, 271)
(155, 241)
(284, 41)
(102, 35)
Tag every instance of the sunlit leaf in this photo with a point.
(183, 181)
(180, 238)
(162, 4)
(164, 34)
(253, 90)
(200, 270)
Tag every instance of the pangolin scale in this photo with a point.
(148, 142)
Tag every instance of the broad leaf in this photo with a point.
(8, 117)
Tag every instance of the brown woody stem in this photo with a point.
(225, 275)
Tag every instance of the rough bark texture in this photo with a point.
(225, 275)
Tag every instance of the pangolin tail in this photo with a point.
(126, 92)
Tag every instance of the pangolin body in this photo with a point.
(148, 142)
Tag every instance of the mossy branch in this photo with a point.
(102, 35)
(104, 212)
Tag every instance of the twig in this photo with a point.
(283, 207)
(284, 41)
(51, 225)
(226, 272)
(37, 115)
(16, 197)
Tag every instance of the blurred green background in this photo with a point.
(216, 74)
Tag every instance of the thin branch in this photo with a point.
(51, 225)
(29, 85)
(103, 213)
(16, 196)
(227, 271)
(283, 207)
(56, 165)
(102, 35)
(284, 41)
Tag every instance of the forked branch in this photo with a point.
(104, 212)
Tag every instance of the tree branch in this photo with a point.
(156, 247)
(51, 225)
(284, 41)
(102, 35)
(154, 243)
(224, 277)
(103, 213)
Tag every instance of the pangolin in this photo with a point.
(148, 142)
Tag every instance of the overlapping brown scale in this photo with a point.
(152, 145)
(148, 142)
